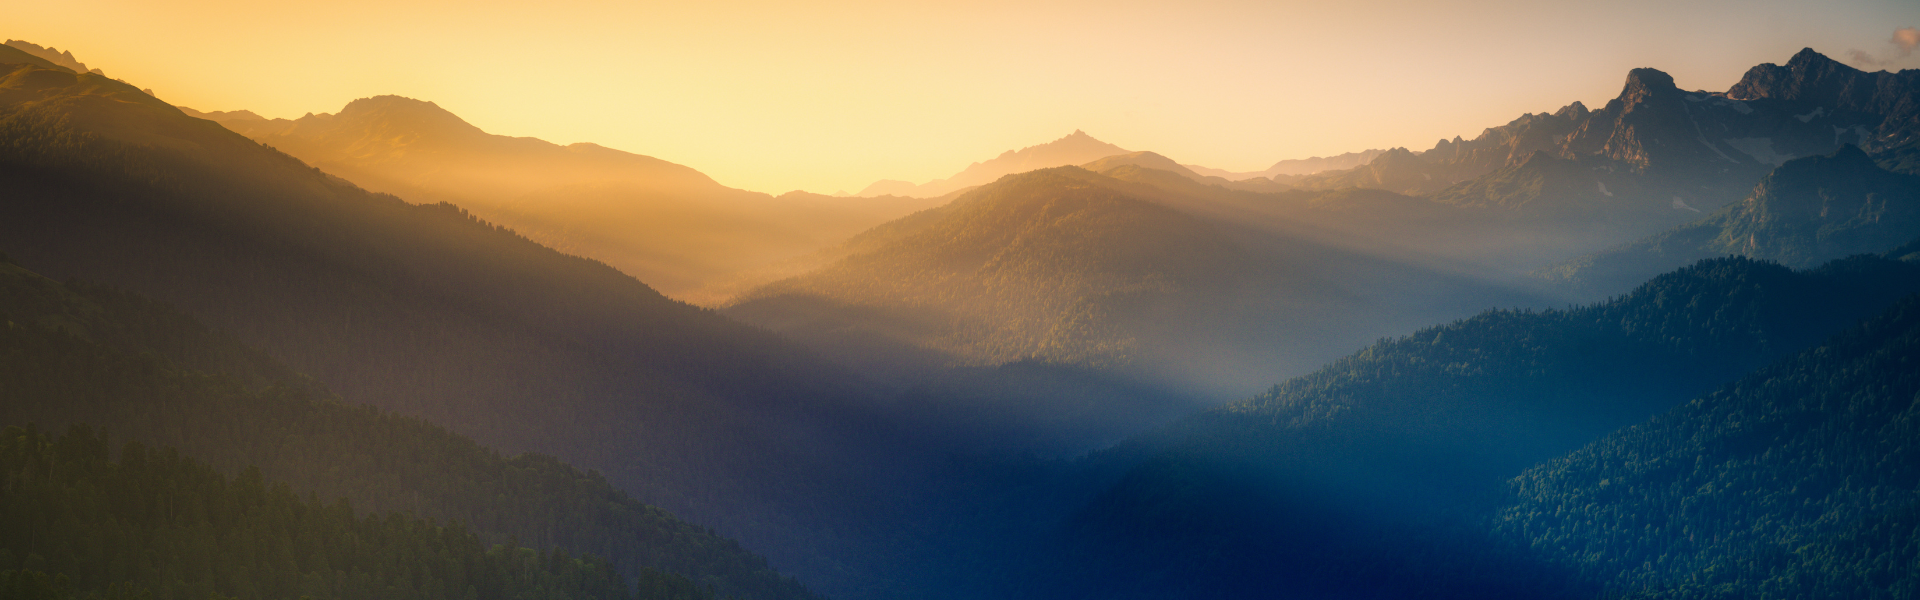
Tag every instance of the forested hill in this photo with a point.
(1801, 480)
(74, 354)
(425, 310)
(156, 525)
(1361, 480)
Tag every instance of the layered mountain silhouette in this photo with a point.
(1076, 148)
(53, 55)
(666, 224)
(939, 362)
(1805, 212)
(1134, 268)
(427, 311)
(1297, 166)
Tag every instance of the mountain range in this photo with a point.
(1046, 382)
(53, 55)
(1126, 269)
(1297, 166)
(663, 223)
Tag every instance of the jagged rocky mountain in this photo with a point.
(53, 55)
(1656, 155)
(663, 223)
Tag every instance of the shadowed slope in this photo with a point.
(1368, 478)
(79, 354)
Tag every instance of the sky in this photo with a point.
(831, 96)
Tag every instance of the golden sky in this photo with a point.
(827, 96)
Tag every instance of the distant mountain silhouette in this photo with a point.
(1297, 166)
(666, 224)
(53, 55)
(1134, 268)
(1805, 212)
(1652, 158)
(1148, 160)
(1076, 148)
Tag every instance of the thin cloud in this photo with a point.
(1902, 45)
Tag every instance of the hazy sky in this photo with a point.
(828, 96)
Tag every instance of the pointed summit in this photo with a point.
(1572, 111)
(1807, 58)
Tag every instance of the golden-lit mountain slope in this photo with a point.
(666, 224)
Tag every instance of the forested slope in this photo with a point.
(1800, 480)
(1364, 479)
(153, 524)
(75, 354)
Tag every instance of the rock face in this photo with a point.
(1879, 111)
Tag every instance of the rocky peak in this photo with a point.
(1807, 59)
(1573, 111)
(1644, 83)
(1396, 156)
(1808, 75)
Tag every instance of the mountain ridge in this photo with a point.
(581, 198)
(1073, 149)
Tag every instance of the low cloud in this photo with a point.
(1901, 45)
